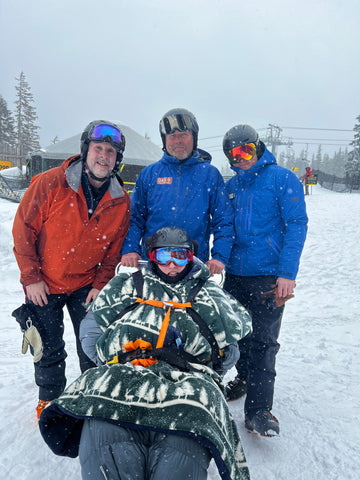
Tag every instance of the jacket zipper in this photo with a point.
(177, 210)
(274, 246)
(241, 209)
(248, 214)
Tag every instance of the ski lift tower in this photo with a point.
(273, 138)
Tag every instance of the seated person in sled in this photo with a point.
(154, 408)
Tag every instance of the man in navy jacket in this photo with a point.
(182, 190)
(270, 230)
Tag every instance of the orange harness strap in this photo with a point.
(165, 324)
(146, 362)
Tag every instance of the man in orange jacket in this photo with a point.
(68, 234)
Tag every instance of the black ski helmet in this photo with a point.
(241, 135)
(86, 139)
(170, 237)
(178, 119)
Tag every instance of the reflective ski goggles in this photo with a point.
(163, 256)
(242, 152)
(105, 133)
(175, 122)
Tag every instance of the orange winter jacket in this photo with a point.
(54, 239)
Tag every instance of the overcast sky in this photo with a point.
(293, 63)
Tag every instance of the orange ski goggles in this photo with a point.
(242, 152)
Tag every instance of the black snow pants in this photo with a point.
(257, 350)
(50, 371)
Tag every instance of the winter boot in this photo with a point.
(235, 389)
(263, 422)
(40, 407)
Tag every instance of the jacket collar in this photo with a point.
(200, 156)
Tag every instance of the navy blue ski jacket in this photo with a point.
(189, 195)
(270, 220)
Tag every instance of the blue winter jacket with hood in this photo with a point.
(270, 220)
(189, 195)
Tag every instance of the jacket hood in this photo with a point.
(200, 156)
(204, 155)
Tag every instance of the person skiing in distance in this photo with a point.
(270, 225)
(184, 190)
(68, 232)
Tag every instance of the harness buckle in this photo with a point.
(167, 304)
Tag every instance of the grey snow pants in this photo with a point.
(110, 452)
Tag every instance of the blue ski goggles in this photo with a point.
(107, 133)
(163, 256)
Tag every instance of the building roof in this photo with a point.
(138, 150)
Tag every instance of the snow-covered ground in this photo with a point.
(317, 396)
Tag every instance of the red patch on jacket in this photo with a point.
(164, 180)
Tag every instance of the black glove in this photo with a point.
(279, 301)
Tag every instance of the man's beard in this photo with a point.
(95, 177)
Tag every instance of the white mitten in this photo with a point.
(32, 337)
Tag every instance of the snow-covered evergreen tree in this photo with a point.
(317, 161)
(281, 159)
(352, 166)
(27, 136)
(337, 163)
(7, 130)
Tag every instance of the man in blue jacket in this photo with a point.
(270, 230)
(182, 190)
